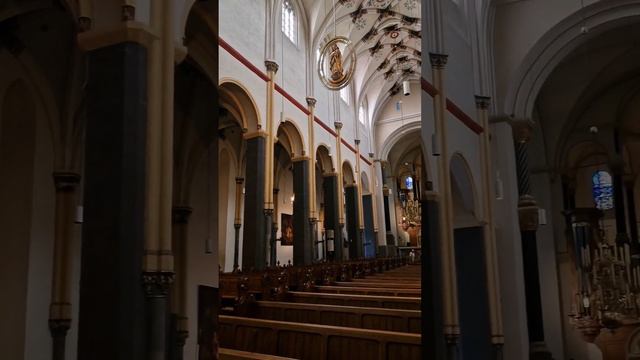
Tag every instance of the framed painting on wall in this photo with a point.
(286, 224)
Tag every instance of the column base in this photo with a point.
(59, 329)
(497, 352)
(452, 346)
(539, 351)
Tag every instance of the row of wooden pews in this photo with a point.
(367, 309)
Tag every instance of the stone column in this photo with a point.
(60, 310)
(331, 216)
(432, 301)
(112, 311)
(353, 224)
(272, 69)
(302, 245)
(254, 240)
(180, 219)
(273, 255)
(359, 200)
(629, 183)
(237, 222)
(340, 188)
(374, 199)
(313, 207)
(449, 287)
(528, 218)
(491, 256)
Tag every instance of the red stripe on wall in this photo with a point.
(463, 117)
(291, 99)
(453, 108)
(428, 88)
(233, 52)
(242, 59)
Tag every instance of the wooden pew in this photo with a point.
(389, 302)
(369, 291)
(231, 354)
(316, 342)
(379, 284)
(374, 318)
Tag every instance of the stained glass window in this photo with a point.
(602, 190)
(409, 183)
(289, 21)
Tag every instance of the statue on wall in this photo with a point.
(335, 61)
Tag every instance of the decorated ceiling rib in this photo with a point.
(386, 36)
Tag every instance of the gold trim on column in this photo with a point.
(338, 126)
(450, 293)
(311, 103)
(272, 69)
(491, 256)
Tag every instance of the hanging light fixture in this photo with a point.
(406, 87)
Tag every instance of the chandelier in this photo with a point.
(607, 292)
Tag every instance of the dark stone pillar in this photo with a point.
(631, 204)
(112, 300)
(618, 201)
(254, 243)
(352, 223)
(369, 234)
(387, 215)
(528, 219)
(331, 215)
(302, 243)
(433, 336)
(473, 298)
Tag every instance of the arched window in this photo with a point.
(602, 190)
(289, 21)
(408, 182)
(361, 115)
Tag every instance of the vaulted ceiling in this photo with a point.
(385, 34)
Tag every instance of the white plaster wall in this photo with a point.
(37, 335)
(509, 248)
(242, 25)
(518, 26)
(547, 268)
(202, 268)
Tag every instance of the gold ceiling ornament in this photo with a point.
(334, 69)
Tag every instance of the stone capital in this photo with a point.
(483, 102)
(66, 181)
(528, 213)
(438, 61)
(357, 141)
(126, 31)
(156, 284)
(271, 66)
(239, 180)
(59, 327)
(180, 214)
(522, 130)
(128, 12)
(338, 125)
(311, 101)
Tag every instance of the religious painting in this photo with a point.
(337, 63)
(286, 226)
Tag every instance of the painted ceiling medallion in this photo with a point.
(335, 70)
(394, 34)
